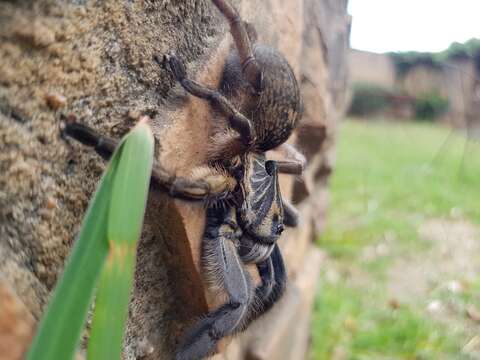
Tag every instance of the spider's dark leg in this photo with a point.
(237, 120)
(274, 279)
(250, 68)
(223, 264)
(280, 280)
(206, 184)
(266, 272)
(103, 145)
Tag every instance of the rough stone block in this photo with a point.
(16, 324)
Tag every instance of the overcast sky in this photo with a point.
(421, 25)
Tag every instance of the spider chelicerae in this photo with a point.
(259, 102)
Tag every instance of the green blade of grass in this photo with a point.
(112, 304)
(130, 188)
(127, 207)
(59, 331)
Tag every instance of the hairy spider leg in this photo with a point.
(274, 281)
(238, 29)
(103, 145)
(280, 281)
(266, 272)
(207, 184)
(224, 268)
(237, 120)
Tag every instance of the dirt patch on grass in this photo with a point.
(453, 261)
(442, 280)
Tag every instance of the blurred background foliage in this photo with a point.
(430, 106)
(404, 61)
(368, 99)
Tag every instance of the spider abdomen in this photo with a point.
(276, 110)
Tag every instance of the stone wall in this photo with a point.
(371, 68)
(458, 80)
(94, 61)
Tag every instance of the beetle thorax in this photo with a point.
(261, 212)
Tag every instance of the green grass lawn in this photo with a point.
(390, 178)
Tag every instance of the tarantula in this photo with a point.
(259, 102)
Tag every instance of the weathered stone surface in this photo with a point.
(93, 61)
(16, 324)
(323, 82)
(456, 79)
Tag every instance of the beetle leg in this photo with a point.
(206, 183)
(290, 214)
(292, 167)
(294, 162)
(236, 119)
